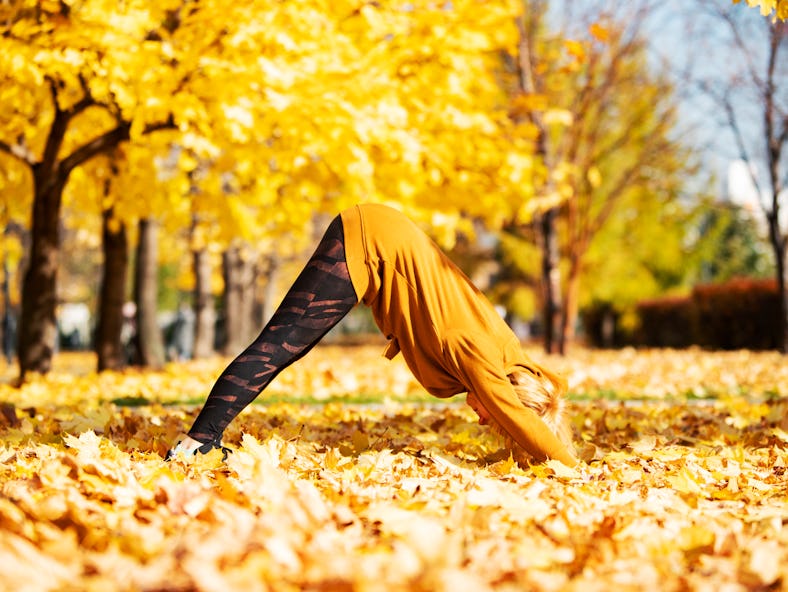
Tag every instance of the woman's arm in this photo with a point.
(474, 358)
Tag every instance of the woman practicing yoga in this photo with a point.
(449, 334)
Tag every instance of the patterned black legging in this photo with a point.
(320, 297)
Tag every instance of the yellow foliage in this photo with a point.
(530, 102)
(599, 32)
(576, 49)
(594, 177)
(779, 7)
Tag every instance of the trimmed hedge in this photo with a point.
(738, 314)
(666, 322)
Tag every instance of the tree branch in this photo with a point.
(105, 142)
(733, 123)
(85, 102)
(741, 44)
(783, 137)
(96, 146)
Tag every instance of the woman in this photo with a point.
(450, 335)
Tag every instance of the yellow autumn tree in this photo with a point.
(61, 67)
(272, 110)
(604, 120)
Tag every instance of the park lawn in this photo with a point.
(349, 477)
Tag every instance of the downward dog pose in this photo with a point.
(449, 334)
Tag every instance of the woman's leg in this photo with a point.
(320, 297)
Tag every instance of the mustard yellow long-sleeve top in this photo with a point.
(450, 336)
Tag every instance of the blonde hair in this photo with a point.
(544, 394)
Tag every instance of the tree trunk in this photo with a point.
(529, 83)
(149, 338)
(608, 329)
(10, 313)
(37, 327)
(204, 311)
(780, 249)
(776, 128)
(251, 307)
(269, 290)
(232, 299)
(109, 348)
(570, 308)
(783, 292)
(240, 327)
(7, 322)
(551, 282)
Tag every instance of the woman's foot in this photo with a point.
(188, 445)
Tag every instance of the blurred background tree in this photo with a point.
(735, 245)
(750, 102)
(615, 169)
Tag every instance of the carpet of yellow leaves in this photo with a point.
(683, 491)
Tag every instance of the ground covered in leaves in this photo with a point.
(354, 479)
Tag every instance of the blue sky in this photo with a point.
(697, 45)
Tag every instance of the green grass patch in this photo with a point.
(360, 398)
(601, 394)
(132, 401)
